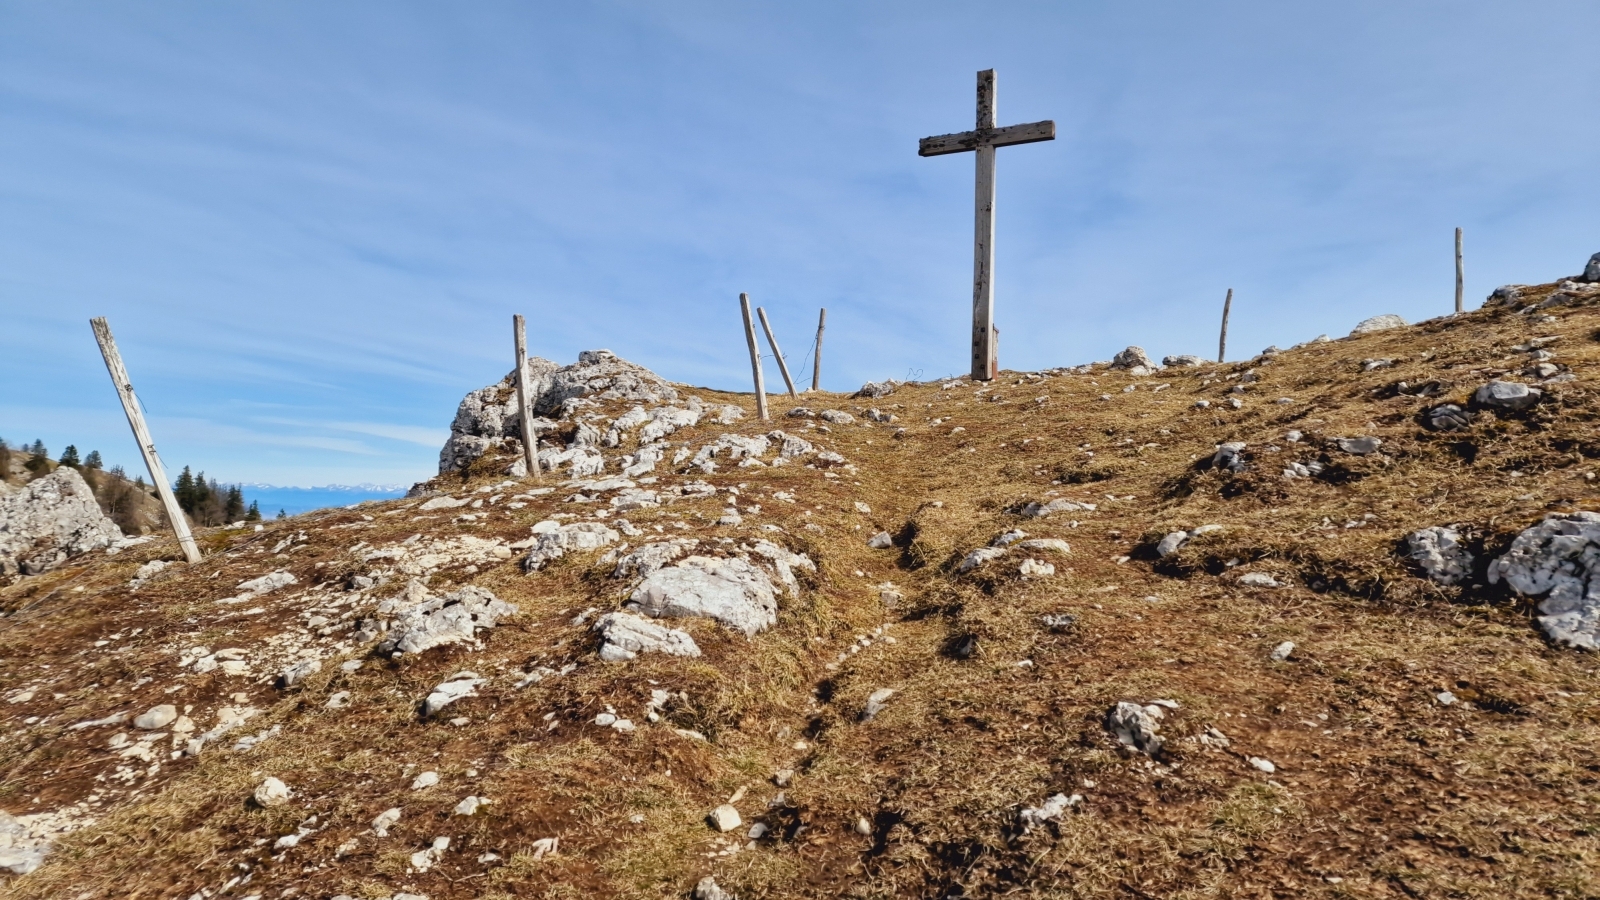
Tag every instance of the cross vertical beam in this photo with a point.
(982, 141)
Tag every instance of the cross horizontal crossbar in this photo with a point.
(967, 141)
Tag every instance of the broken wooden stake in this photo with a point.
(530, 438)
(772, 342)
(141, 434)
(816, 367)
(755, 357)
(1222, 343)
(1460, 275)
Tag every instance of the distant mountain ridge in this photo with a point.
(363, 488)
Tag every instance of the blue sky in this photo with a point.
(310, 223)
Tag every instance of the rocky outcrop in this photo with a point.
(1378, 323)
(423, 621)
(488, 416)
(732, 591)
(49, 520)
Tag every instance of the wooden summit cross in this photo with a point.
(983, 140)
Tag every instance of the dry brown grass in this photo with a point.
(1380, 792)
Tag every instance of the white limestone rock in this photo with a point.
(1061, 504)
(1559, 559)
(563, 539)
(732, 591)
(271, 792)
(978, 557)
(423, 621)
(1378, 323)
(624, 636)
(731, 446)
(650, 557)
(156, 718)
(876, 390)
(1438, 552)
(458, 686)
(488, 416)
(300, 671)
(50, 520)
(1135, 361)
(1133, 726)
(789, 446)
(1506, 395)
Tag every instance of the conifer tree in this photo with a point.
(39, 462)
(254, 514)
(233, 510)
(282, 514)
(92, 461)
(69, 456)
(183, 491)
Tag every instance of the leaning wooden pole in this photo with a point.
(141, 433)
(1222, 342)
(1460, 273)
(773, 343)
(755, 357)
(530, 438)
(816, 368)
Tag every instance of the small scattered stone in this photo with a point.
(271, 792)
(1506, 395)
(1035, 568)
(876, 702)
(157, 717)
(880, 541)
(1264, 765)
(299, 672)
(385, 821)
(1259, 579)
(469, 806)
(707, 889)
(1438, 551)
(1282, 651)
(1059, 622)
(424, 781)
(1447, 417)
(863, 826)
(1359, 446)
(725, 818)
(1133, 726)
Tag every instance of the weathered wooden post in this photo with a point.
(530, 438)
(755, 357)
(816, 368)
(772, 342)
(1460, 275)
(982, 142)
(141, 434)
(1222, 342)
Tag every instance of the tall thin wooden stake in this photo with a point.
(530, 439)
(816, 368)
(773, 343)
(1460, 275)
(1222, 343)
(755, 357)
(147, 447)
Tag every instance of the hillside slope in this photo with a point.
(1418, 740)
